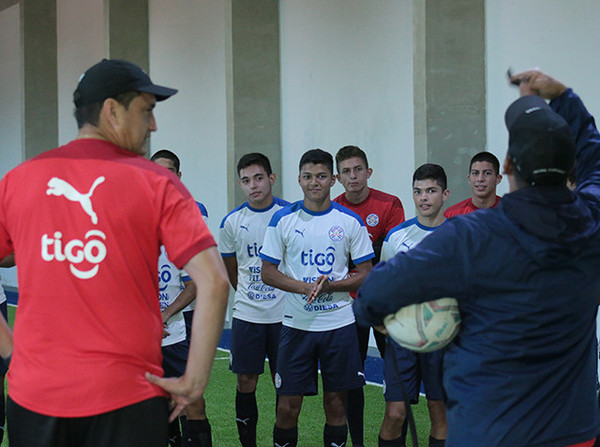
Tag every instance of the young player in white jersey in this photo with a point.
(305, 252)
(177, 292)
(404, 370)
(257, 307)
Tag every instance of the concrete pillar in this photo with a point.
(40, 85)
(256, 85)
(128, 31)
(450, 87)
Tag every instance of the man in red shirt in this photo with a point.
(86, 221)
(381, 212)
(484, 176)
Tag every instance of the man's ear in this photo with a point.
(507, 167)
(110, 111)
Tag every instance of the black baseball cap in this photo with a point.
(111, 77)
(541, 145)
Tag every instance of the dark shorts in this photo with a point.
(301, 353)
(250, 344)
(141, 424)
(175, 358)
(4, 311)
(404, 369)
(188, 316)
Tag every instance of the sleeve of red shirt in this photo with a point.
(6, 247)
(396, 216)
(183, 230)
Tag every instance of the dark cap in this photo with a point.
(540, 143)
(111, 77)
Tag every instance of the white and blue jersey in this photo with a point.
(241, 235)
(305, 245)
(170, 284)
(403, 237)
(204, 212)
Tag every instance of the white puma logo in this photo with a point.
(333, 444)
(279, 445)
(59, 187)
(243, 421)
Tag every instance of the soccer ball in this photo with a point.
(424, 327)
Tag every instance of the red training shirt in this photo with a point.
(85, 222)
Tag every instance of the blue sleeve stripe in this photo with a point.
(236, 209)
(186, 278)
(270, 259)
(280, 202)
(227, 255)
(349, 212)
(203, 209)
(406, 223)
(364, 258)
(289, 209)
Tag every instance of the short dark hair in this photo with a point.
(348, 152)
(165, 153)
(317, 156)
(254, 158)
(486, 156)
(433, 172)
(90, 113)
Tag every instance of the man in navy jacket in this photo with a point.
(522, 370)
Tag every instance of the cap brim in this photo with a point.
(159, 91)
(525, 104)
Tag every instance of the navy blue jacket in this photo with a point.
(522, 370)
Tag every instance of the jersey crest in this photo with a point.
(336, 233)
(372, 220)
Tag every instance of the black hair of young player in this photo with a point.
(486, 156)
(165, 153)
(432, 172)
(90, 113)
(317, 157)
(348, 152)
(254, 158)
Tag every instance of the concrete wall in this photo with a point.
(347, 79)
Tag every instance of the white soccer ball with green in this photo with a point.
(424, 327)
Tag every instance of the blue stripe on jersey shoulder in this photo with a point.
(289, 209)
(406, 223)
(235, 210)
(203, 209)
(276, 201)
(347, 211)
(410, 223)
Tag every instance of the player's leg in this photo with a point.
(273, 334)
(391, 431)
(297, 374)
(247, 359)
(401, 382)
(439, 425)
(356, 397)
(198, 426)
(430, 365)
(338, 347)
(174, 361)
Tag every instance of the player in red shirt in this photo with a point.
(381, 212)
(484, 176)
(86, 221)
